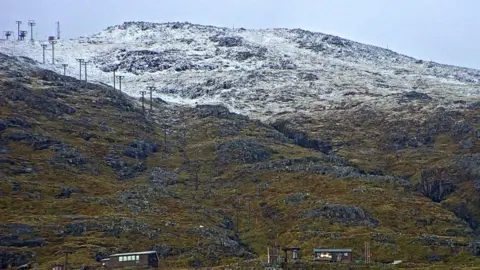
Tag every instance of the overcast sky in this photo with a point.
(444, 31)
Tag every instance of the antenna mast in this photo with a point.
(53, 50)
(18, 32)
(31, 23)
(58, 30)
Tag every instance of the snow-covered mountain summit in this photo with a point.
(262, 73)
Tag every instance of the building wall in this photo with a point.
(350, 257)
(345, 259)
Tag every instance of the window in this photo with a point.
(325, 255)
(129, 258)
(345, 254)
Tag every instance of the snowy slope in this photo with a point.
(262, 73)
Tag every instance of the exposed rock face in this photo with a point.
(106, 226)
(345, 214)
(163, 177)
(36, 141)
(216, 111)
(461, 211)
(125, 170)
(436, 184)
(68, 155)
(141, 149)
(19, 235)
(51, 108)
(223, 244)
(301, 138)
(142, 198)
(13, 122)
(241, 152)
(9, 259)
(470, 166)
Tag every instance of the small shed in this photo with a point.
(133, 259)
(343, 255)
(294, 250)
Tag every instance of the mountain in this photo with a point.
(265, 74)
(388, 154)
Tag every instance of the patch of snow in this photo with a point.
(262, 73)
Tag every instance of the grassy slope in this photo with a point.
(223, 191)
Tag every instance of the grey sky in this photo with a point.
(444, 31)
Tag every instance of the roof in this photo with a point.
(332, 250)
(133, 253)
(105, 260)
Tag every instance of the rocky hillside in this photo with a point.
(84, 169)
(265, 73)
(356, 143)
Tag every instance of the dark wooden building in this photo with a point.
(133, 259)
(343, 255)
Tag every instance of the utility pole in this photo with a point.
(31, 23)
(249, 215)
(44, 46)
(58, 30)
(7, 34)
(143, 100)
(80, 61)
(151, 89)
(66, 258)
(236, 206)
(120, 82)
(53, 50)
(114, 79)
(85, 63)
(367, 253)
(18, 33)
(65, 69)
(165, 130)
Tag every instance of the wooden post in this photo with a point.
(268, 255)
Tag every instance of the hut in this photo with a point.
(133, 259)
(343, 255)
